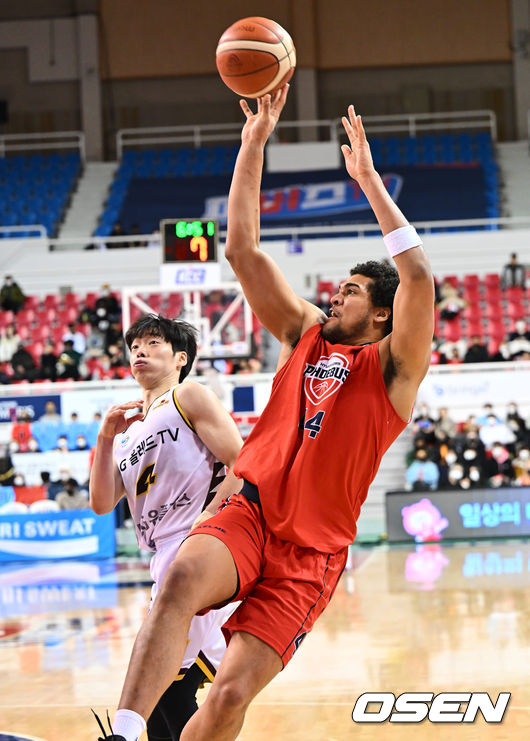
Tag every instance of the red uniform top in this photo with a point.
(319, 441)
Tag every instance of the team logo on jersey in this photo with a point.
(125, 440)
(161, 404)
(325, 377)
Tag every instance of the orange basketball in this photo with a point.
(255, 56)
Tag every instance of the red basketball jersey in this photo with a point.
(319, 441)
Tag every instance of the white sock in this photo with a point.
(128, 724)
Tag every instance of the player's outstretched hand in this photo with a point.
(116, 421)
(260, 125)
(357, 156)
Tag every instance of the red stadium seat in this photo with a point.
(67, 316)
(23, 332)
(494, 311)
(492, 280)
(71, 300)
(52, 300)
(6, 317)
(471, 281)
(516, 311)
(32, 302)
(496, 330)
(452, 331)
(89, 300)
(474, 329)
(35, 350)
(25, 317)
(45, 316)
(472, 296)
(514, 294)
(41, 333)
(493, 294)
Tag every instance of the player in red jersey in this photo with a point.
(343, 391)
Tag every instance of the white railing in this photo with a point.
(285, 232)
(410, 124)
(42, 142)
(30, 227)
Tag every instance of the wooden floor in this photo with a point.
(431, 618)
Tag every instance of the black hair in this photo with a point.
(383, 285)
(180, 334)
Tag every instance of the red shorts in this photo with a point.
(284, 587)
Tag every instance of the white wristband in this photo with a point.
(402, 239)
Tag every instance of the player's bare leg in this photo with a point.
(247, 667)
(202, 574)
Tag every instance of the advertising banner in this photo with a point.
(52, 535)
(431, 516)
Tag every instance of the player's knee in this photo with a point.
(179, 584)
(229, 698)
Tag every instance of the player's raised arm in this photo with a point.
(273, 301)
(405, 353)
(106, 485)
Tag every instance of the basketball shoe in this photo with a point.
(113, 736)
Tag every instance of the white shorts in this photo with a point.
(206, 643)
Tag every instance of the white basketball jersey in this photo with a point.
(168, 473)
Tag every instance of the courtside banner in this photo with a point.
(49, 535)
(314, 197)
(431, 516)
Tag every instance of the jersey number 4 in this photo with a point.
(145, 480)
(313, 424)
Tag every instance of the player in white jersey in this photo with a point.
(169, 461)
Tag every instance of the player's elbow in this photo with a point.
(238, 247)
(98, 506)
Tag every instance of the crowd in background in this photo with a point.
(485, 450)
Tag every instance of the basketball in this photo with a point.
(255, 56)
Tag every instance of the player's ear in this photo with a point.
(181, 358)
(382, 313)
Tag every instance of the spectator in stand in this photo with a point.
(422, 474)
(502, 354)
(454, 358)
(455, 474)
(519, 341)
(69, 359)
(450, 304)
(50, 415)
(62, 443)
(74, 429)
(21, 432)
(107, 307)
(516, 423)
(71, 497)
(7, 470)
(521, 466)
(117, 231)
(117, 356)
(437, 358)
(446, 349)
(444, 424)
(33, 445)
(496, 432)
(135, 229)
(487, 411)
(77, 338)
(48, 362)
(9, 342)
(95, 343)
(12, 297)
(24, 367)
(498, 468)
(513, 273)
(92, 430)
(477, 352)
(471, 449)
(423, 425)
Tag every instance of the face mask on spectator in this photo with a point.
(465, 484)
(456, 473)
(18, 481)
(496, 451)
(62, 443)
(65, 475)
(81, 442)
(13, 447)
(474, 474)
(524, 454)
(450, 458)
(512, 409)
(470, 454)
(520, 326)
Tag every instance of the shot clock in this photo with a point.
(189, 240)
